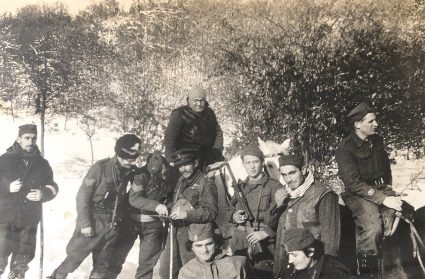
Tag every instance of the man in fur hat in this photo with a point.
(101, 202)
(250, 211)
(210, 261)
(305, 203)
(26, 181)
(195, 126)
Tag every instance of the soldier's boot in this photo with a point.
(368, 266)
(18, 266)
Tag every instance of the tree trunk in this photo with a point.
(91, 150)
(11, 110)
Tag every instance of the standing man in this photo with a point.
(101, 200)
(307, 204)
(150, 191)
(194, 201)
(210, 261)
(26, 181)
(195, 126)
(250, 211)
(364, 168)
(307, 259)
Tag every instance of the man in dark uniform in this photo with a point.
(257, 192)
(195, 126)
(194, 201)
(101, 200)
(364, 167)
(149, 193)
(307, 259)
(26, 181)
(211, 262)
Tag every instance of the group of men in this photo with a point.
(280, 231)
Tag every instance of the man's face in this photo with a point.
(299, 260)
(367, 126)
(187, 169)
(197, 104)
(292, 175)
(128, 163)
(27, 141)
(253, 165)
(204, 250)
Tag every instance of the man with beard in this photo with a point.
(364, 167)
(26, 181)
(101, 202)
(194, 201)
(250, 211)
(210, 261)
(195, 126)
(306, 203)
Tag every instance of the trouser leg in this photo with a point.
(24, 253)
(182, 239)
(151, 238)
(114, 260)
(9, 241)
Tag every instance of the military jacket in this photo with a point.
(364, 167)
(260, 200)
(222, 267)
(199, 193)
(98, 193)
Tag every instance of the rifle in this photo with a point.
(254, 249)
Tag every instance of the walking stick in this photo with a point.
(171, 249)
(41, 244)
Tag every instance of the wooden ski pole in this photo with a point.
(171, 249)
(41, 244)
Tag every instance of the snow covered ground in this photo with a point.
(68, 152)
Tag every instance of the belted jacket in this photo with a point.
(199, 194)
(364, 167)
(104, 190)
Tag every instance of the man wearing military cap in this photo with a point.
(211, 261)
(250, 211)
(102, 201)
(26, 181)
(307, 258)
(364, 167)
(194, 201)
(195, 125)
(305, 203)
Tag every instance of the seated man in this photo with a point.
(250, 211)
(211, 261)
(305, 203)
(307, 258)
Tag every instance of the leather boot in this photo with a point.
(16, 275)
(368, 266)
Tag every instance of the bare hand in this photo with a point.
(178, 214)
(161, 209)
(393, 202)
(239, 216)
(87, 232)
(35, 195)
(15, 186)
(255, 237)
(280, 196)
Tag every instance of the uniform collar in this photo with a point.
(261, 181)
(358, 141)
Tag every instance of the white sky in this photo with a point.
(73, 5)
